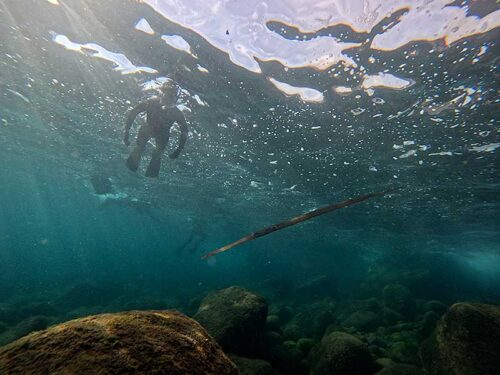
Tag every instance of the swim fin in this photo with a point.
(154, 167)
(134, 159)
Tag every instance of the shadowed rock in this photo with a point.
(161, 342)
(363, 320)
(399, 298)
(341, 354)
(311, 320)
(236, 319)
(392, 368)
(466, 341)
(287, 359)
(249, 366)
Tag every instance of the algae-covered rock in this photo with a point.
(273, 323)
(341, 354)
(429, 356)
(236, 319)
(466, 341)
(248, 366)
(165, 342)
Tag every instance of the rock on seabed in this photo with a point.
(236, 319)
(147, 342)
(341, 354)
(466, 342)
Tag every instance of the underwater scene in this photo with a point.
(258, 187)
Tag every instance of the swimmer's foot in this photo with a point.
(153, 167)
(133, 160)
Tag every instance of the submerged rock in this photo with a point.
(466, 341)
(363, 320)
(305, 345)
(273, 338)
(123, 343)
(287, 358)
(236, 319)
(341, 354)
(399, 298)
(428, 322)
(438, 307)
(273, 323)
(285, 313)
(404, 351)
(311, 320)
(249, 366)
(392, 368)
(390, 317)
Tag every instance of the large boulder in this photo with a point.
(466, 341)
(236, 319)
(161, 342)
(341, 354)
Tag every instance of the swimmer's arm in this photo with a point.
(141, 107)
(181, 121)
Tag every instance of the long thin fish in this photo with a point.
(293, 221)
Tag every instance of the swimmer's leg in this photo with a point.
(135, 156)
(155, 163)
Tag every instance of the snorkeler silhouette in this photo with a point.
(197, 236)
(161, 114)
